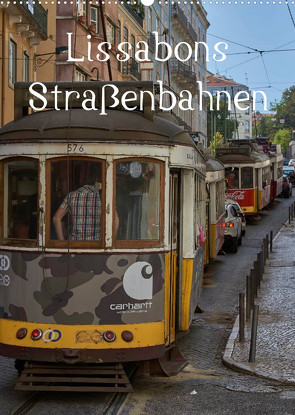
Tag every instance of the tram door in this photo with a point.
(174, 253)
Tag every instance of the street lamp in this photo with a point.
(38, 61)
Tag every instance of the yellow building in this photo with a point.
(23, 26)
(131, 29)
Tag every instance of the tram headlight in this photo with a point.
(36, 334)
(127, 336)
(109, 336)
(21, 333)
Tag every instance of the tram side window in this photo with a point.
(247, 177)
(280, 169)
(76, 200)
(220, 196)
(20, 199)
(265, 177)
(232, 177)
(137, 200)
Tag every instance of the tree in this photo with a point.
(283, 137)
(266, 126)
(216, 144)
(219, 120)
(285, 108)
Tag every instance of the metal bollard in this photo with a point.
(257, 274)
(241, 317)
(289, 214)
(270, 241)
(253, 289)
(266, 243)
(264, 252)
(261, 265)
(252, 353)
(248, 298)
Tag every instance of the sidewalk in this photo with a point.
(275, 351)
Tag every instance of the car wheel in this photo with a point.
(240, 240)
(234, 245)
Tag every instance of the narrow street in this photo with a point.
(205, 386)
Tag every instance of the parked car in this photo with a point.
(289, 171)
(291, 162)
(233, 229)
(286, 162)
(240, 212)
(287, 187)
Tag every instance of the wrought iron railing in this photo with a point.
(37, 13)
(131, 67)
(151, 41)
(184, 71)
(177, 13)
(136, 11)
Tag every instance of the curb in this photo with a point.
(248, 368)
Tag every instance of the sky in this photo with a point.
(263, 27)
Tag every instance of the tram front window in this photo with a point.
(232, 177)
(76, 200)
(20, 199)
(247, 177)
(138, 201)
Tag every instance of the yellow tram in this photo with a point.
(123, 290)
(215, 183)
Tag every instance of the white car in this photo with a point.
(233, 228)
(239, 211)
(291, 162)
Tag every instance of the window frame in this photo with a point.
(96, 25)
(52, 243)
(159, 243)
(19, 242)
(26, 66)
(12, 63)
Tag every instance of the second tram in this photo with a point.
(248, 175)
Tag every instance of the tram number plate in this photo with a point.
(73, 148)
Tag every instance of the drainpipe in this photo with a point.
(3, 69)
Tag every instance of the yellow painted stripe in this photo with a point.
(83, 337)
(187, 277)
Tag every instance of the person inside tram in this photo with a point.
(84, 205)
(232, 181)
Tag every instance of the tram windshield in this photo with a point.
(232, 177)
(20, 199)
(137, 200)
(76, 200)
(247, 177)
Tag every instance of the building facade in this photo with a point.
(242, 117)
(23, 27)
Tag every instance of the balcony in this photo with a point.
(151, 41)
(136, 11)
(131, 67)
(37, 16)
(178, 14)
(183, 74)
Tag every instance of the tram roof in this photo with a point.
(214, 165)
(78, 124)
(240, 154)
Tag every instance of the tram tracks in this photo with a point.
(113, 407)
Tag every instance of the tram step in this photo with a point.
(82, 378)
